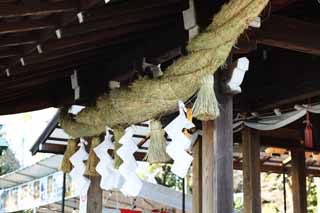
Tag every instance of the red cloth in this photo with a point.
(129, 211)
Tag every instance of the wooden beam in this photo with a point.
(289, 33)
(41, 9)
(251, 171)
(52, 148)
(86, 4)
(299, 194)
(94, 196)
(277, 5)
(8, 53)
(196, 178)
(278, 169)
(116, 21)
(25, 26)
(285, 133)
(13, 42)
(127, 7)
(107, 36)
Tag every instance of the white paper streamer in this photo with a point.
(79, 168)
(180, 143)
(132, 184)
(110, 177)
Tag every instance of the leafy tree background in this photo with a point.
(8, 162)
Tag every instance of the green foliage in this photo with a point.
(238, 203)
(168, 179)
(8, 162)
(311, 195)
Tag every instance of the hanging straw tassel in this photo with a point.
(157, 148)
(118, 133)
(66, 165)
(93, 160)
(206, 105)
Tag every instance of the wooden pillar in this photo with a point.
(251, 171)
(207, 166)
(196, 178)
(298, 173)
(217, 160)
(94, 197)
(223, 156)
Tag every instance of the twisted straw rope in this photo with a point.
(149, 98)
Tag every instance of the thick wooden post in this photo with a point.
(196, 178)
(251, 171)
(223, 156)
(207, 166)
(217, 160)
(298, 173)
(94, 197)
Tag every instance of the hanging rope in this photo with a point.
(150, 98)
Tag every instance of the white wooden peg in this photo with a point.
(7, 72)
(80, 17)
(39, 48)
(58, 34)
(75, 84)
(236, 75)
(22, 61)
(256, 23)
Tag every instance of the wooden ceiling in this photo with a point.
(42, 42)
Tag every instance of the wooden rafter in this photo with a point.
(13, 42)
(289, 33)
(25, 26)
(40, 9)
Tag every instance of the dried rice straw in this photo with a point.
(157, 148)
(149, 98)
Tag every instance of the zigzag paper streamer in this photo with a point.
(79, 168)
(180, 143)
(110, 177)
(132, 184)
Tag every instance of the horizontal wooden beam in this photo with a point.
(51, 148)
(14, 41)
(107, 36)
(278, 169)
(284, 134)
(8, 53)
(127, 7)
(289, 33)
(162, 41)
(111, 23)
(25, 26)
(9, 10)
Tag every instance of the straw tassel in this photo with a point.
(118, 133)
(206, 105)
(157, 148)
(93, 160)
(66, 165)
